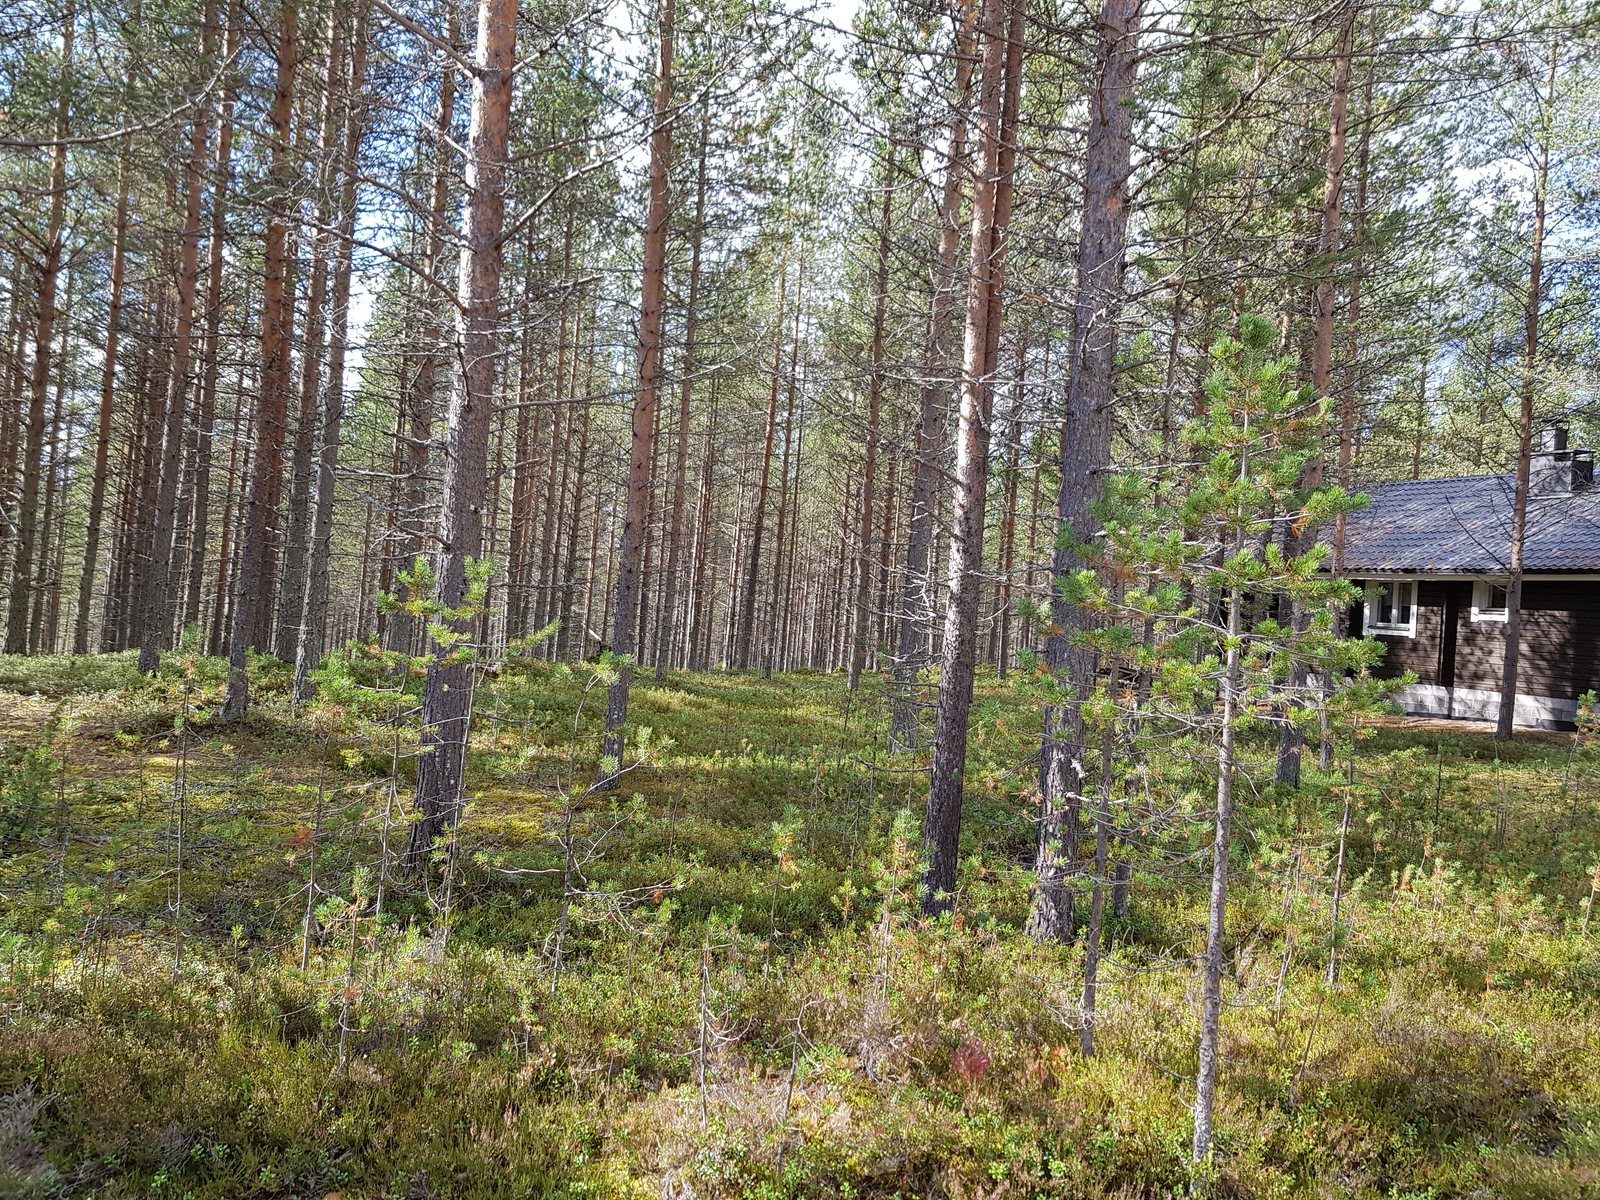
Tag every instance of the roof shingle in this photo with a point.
(1463, 525)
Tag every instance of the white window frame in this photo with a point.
(1480, 600)
(1391, 628)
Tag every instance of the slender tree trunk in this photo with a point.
(916, 582)
(421, 398)
(1290, 737)
(312, 641)
(221, 614)
(1216, 915)
(258, 551)
(161, 585)
(1099, 881)
(51, 462)
(102, 439)
(1529, 388)
(206, 409)
(39, 380)
(1002, 25)
(1085, 450)
(702, 619)
(774, 610)
(447, 692)
(862, 609)
(752, 584)
(564, 644)
(303, 466)
(669, 607)
(1350, 393)
(1008, 530)
(646, 395)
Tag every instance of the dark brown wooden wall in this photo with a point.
(1560, 640)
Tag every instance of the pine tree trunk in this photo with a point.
(564, 644)
(102, 439)
(1530, 382)
(1217, 912)
(447, 691)
(702, 597)
(421, 398)
(206, 408)
(670, 623)
(642, 453)
(770, 644)
(752, 582)
(258, 551)
(1002, 23)
(302, 465)
(869, 467)
(916, 583)
(161, 585)
(39, 381)
(1290, 739)
(312, 641)
(1086, 448)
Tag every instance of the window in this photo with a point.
(1488, 600)
(1391, 607)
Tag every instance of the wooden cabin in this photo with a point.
(1432, 555)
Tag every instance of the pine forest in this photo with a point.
(780, 599)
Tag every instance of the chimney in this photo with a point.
(1554, 470)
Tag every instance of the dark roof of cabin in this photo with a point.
(1463, 525)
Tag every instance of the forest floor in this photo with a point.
(214, 982)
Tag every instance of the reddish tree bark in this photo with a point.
(39, 380)
(258, 555)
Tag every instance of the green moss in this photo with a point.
(783, 967)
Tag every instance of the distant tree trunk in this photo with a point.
(519, 604)
(312, 642)
(39, 380)
(252, 605)
(669, 606)
(221, 613)
(206, 408)
(447, 692)
(1008, 532)
(564, 643)
(102, 439)
(160, 586)
(42, 583)
(1530, 381)
(933, 408)
(862, 609)
(1350, 397)
(646, 395)
(1085, 449)
(1002, 23)
(770, 642)
(752, 583)
(702, 617)
(1290, 738)
(302, 463)
(420, 400)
